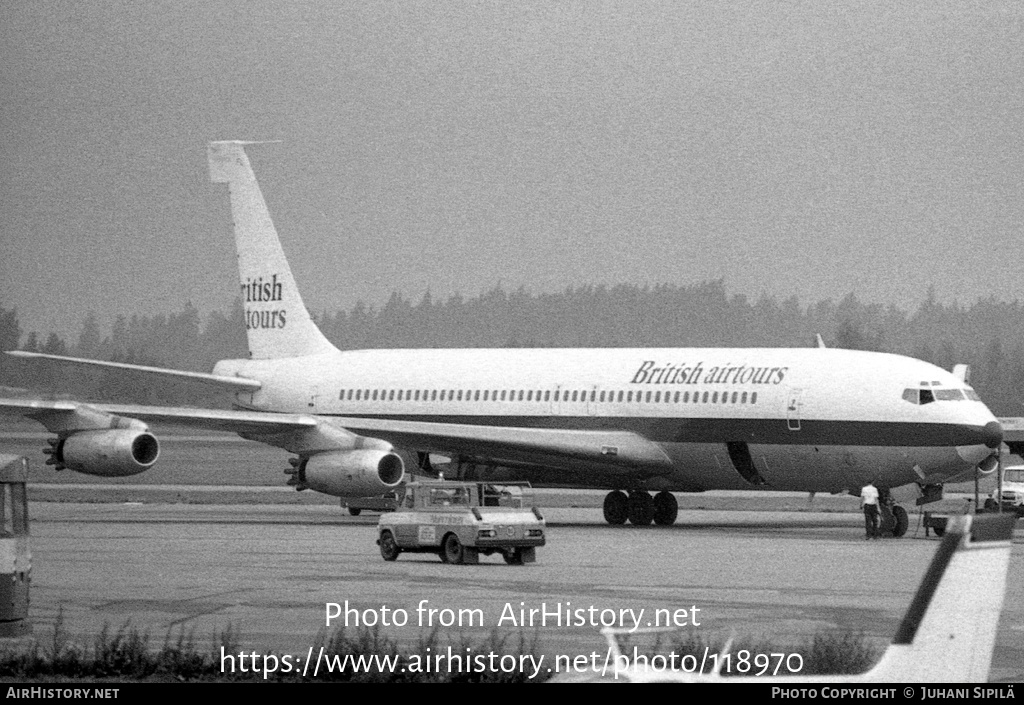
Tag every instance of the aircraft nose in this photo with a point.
(992, 434)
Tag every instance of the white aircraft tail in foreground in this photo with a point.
(947, 635)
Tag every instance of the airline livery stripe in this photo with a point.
(724, 430)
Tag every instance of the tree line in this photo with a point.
(988, 334)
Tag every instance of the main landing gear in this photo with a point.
(640, 508)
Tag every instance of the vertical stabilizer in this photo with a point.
(277, 322)
(949, 632)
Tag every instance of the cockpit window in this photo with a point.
(919, 396)
(926, 396)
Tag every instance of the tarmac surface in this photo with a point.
(269, 573)
(210, 539)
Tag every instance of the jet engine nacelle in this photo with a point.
(352, 473)
(107, 453)
(988, 465)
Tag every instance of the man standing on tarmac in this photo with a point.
(869, 502)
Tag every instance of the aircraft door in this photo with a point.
(793, 409)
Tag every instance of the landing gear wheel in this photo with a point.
(388, 548)
(666, 509)
(354, 511)
(451, 550)
(513, 556)
(615, 507)
(991, 505)
(940, 531)
(901, 521)
(640, 508)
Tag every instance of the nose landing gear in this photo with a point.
(895, 521)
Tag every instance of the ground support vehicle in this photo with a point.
(461, 520)
(1012, 496)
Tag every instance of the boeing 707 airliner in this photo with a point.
(641, 423)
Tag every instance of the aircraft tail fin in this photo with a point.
(949, 631)
(276, 320)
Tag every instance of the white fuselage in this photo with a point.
(807, 419)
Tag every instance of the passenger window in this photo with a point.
(399, 395)
(459, 396)
(686, 397)
(503, 395)
(529, 395)
(476, 395)
(629, 396)
(714, 398)
(705, 397)
(620, 395)
(735, 395)
(520, 395)
(657, 396)
(547, 395)
(677, 398)
(753, 397)
(574, 393)
(743, 398)
(648, 397)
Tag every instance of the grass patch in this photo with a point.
(825, 653)
(369, 655)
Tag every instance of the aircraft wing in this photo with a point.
(241, 422)
(538, 447)
(1013, 434)
(541, 448)
(223, 382)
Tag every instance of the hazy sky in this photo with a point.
(792, 148)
